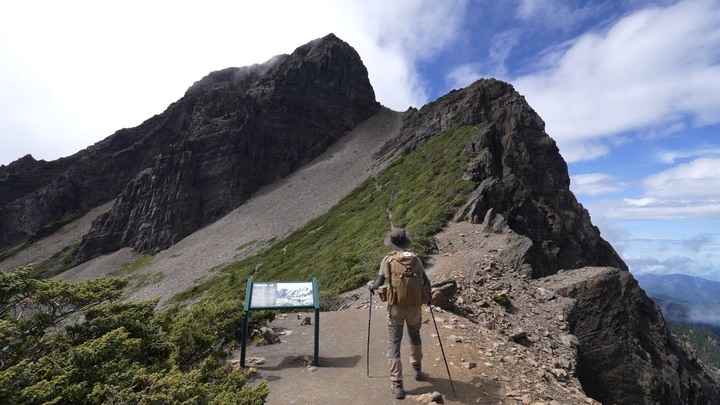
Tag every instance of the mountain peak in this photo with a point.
(174, 179)
(248, 126)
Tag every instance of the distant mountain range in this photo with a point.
(685, 299)
(680, 286)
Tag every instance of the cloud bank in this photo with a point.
(607, 83)
(686, 191)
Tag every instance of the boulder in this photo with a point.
(443, 293)
(626, 354)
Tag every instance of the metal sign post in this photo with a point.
(281, 295)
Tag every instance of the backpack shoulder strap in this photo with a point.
(387, 269)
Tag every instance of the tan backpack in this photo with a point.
(404, 284)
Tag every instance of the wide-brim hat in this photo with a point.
(397, 239)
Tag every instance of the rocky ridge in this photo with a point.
(520, 175)
(530, 348)
(233, 132)
(529, 244)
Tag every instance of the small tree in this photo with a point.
(29, 307)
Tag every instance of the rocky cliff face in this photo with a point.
(520, 173)
(233, 131)
(240, 128)
(625, 354)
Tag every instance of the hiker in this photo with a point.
(403, 284)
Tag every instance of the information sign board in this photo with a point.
(274, 295)
(281, 295)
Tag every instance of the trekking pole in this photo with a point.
(367, 356)
(441, 349)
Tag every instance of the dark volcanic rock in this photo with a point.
(520, 173)
(626, 353)
(26, 175)
(51, 194)
(233, 131)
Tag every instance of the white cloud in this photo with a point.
(554, 13)
(655, 209)
(464, 75)
(78, 70)
(593, 184)
(699, 179)
(671, 265)
(655, 68)
(672, 156)
(687, 191)
(698, 242)
(417, 29)
(663, 257)
(500, 49)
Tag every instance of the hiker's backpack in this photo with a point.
(404, 281)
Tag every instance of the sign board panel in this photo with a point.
(274, 295)
(281, 295)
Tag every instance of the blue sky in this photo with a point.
(630, 90)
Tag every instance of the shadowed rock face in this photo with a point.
(520, 173)
(626, 354)
(233, 131)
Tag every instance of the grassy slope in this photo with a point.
(343, 248)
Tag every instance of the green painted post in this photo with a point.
(246, 310)
(316, 297)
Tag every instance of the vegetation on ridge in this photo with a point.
(118, 352)
(68, 343)
(343, 247)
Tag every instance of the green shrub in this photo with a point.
(118, 352)
(501, 299)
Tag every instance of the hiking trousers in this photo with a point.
(397, 318)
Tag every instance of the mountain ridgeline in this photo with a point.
(241, 128)
(685, 299)
(233, 131)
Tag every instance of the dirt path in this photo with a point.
(342, 376)
(487, 365)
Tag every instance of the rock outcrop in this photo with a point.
(521, 176)
(233, 131)
(26, 175)
(626, 353)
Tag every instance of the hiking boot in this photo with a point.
(397, 390)
(417, 369)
